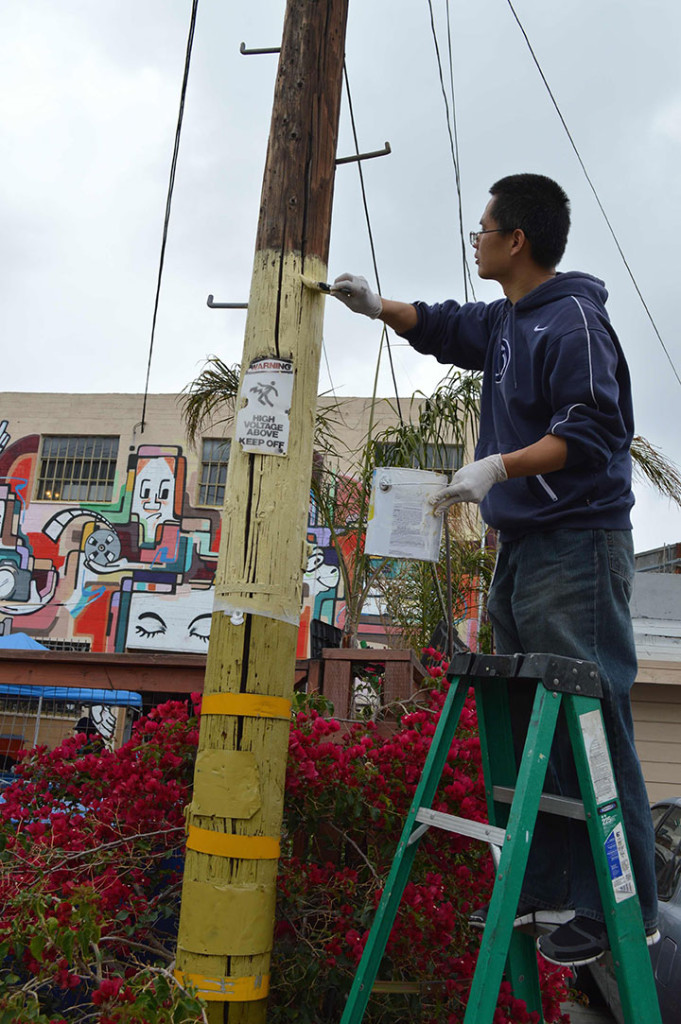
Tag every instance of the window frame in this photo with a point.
(446, 465)
(221, 465)
(73, 449)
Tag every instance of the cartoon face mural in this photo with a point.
(322, 594)
(170, 622)
(320, 575)
(71, 570)
(104, 719)
(134, 573)
(154, 497)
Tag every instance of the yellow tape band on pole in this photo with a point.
(222, 844)
(227, 990)
(252, 705)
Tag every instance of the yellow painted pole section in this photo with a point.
(234, 821)
(262, 572)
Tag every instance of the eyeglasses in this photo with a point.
(475, 235)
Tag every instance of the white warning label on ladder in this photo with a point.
(598, 756)
(620, 868)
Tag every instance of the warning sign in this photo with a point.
(262, 425)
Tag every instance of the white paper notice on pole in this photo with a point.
(262, 425)
(401, 521)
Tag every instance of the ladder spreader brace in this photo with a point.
(514, 798)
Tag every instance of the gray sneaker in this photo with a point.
(580, 942)
(526, 914)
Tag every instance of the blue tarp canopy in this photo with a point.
(73, 694)
(21, 642)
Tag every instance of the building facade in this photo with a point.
(109, 533)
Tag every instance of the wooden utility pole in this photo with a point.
(234, 820)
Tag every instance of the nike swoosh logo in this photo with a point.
(540, 328)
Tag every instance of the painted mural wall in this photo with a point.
(133, 574)
(136, 573)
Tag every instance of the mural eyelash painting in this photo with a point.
(141, 631)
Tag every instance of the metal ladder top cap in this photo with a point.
(460, 664)
(564, 675)
(503, 666)
(484, 666)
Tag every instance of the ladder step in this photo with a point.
(463, 826)
(550, 803)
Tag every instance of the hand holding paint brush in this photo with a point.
(354, 292)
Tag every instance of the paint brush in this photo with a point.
(319, 286)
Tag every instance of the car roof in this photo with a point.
(668, 801)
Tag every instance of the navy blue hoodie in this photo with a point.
(552, 364)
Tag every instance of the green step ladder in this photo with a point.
(514, 798)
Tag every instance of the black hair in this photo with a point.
(540, 207)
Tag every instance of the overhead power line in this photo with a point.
(593, 189)
(453, 138)
(384, 335)
(169, 199)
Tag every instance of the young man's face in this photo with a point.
(492, 250)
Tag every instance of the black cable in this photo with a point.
(371, 235)
(453, 141)
(456, 144)
(593, 189)
(169, 198)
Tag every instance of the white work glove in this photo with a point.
(470, 483)
(355, 293)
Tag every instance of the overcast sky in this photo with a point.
(89, 92)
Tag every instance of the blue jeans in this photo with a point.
(567, 592)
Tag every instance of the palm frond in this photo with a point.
(650, 465)
(214, 391)
(328, 420)
(448, 416)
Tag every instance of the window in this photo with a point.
(66, 645)
(445, 457)
(77, 468)
(214, 459)
(668, 854)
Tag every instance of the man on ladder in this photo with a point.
(553, 476)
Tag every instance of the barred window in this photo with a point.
(214, 460)
(444, 457)
(77, 468)
(66, 645)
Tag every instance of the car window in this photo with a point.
(658, 813)
(668, 854)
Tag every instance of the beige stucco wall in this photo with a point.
(121, 414)
(116, 414)
(656, 706)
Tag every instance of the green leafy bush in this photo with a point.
(90, 870)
